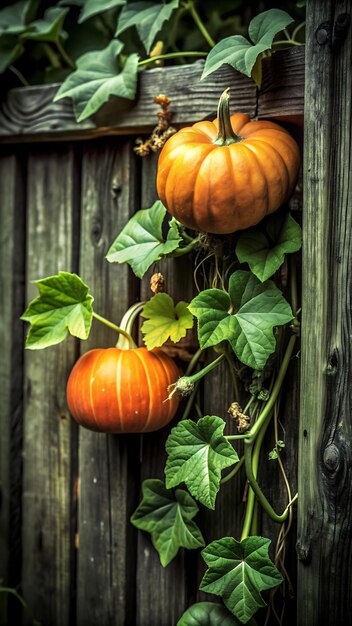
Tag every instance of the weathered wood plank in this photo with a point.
(281, 95)
(29, 113)
(25, 115)
(12, 219)
(108, 465)
(164, 607)
(48, 432)
(325, 514)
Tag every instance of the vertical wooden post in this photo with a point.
(12, 235)
(108, 464)
(48, 432)
(325, 485)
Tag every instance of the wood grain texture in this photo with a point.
(281, 95)
(33, 114)
(12, 220)
(108, 465)
(29, 113)
(325, 514)
(48, 431)
(164, 606)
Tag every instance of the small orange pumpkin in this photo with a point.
(227, 175)
(123, 389)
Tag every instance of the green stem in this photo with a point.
(19, 75)
(226, 135)
(208, 38)
(233, 375)
(253, 432)
(236, 437)
(171, 55)
(186, 249)
(185, 384)
(193, 362)
(248, 520)
(64, 55)
(286, 42)
(233, 472)
(251, 470)
(119, 330)
(293, 285)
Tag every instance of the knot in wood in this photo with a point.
(322, 34)
(331, 458)
(96, 230)
(303, 550)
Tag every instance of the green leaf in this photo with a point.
(10, 50)
(209, 614)
(147, 17)
(240, 53)
(63, 306)
(93, 7)
(165, 320)
(256, 309)
(98, 76)
(14, 18)
(238, 572)
(168, 516)
(266, 253)
(49, 28)
(141, 241)
(196, 455)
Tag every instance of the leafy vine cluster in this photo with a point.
(242, 314)
(98, 48)
(245, 312)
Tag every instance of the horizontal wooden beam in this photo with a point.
(29, 113)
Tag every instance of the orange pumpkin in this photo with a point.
(122, 391)
(227, 175)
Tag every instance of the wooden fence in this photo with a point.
(66, 493)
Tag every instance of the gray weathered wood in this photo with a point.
(325, 514)
(164, 607)
(29, 113)
(48, 431)
(281, 95)
(12, 219)
(33, 114)
(108, 465)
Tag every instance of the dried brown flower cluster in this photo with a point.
(157, 283)
(243, 421)
(161, 132)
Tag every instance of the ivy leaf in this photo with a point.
(141, 242)
(63, 306)
(14, 18)
(209, 614)
(93, 7)
(238, 572)
(99, 76)
(165, 320)
(242, 54)
(266, 253)
(168, 516)
(257, 309)
(196, 455)
(147, 17)
(10, 50)
(49, 28)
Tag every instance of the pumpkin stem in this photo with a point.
(127, 337)
(125, 341)
(226, 135)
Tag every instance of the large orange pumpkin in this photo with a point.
(227, 175)
(122, 391)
